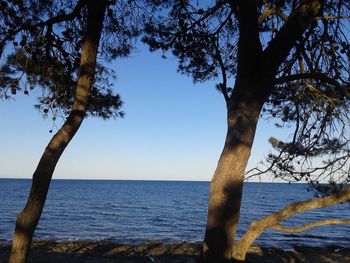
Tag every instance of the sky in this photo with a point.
(173, 129)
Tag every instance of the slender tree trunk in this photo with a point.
(227, 183)
(28, 218)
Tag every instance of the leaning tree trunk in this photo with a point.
(272, 221)
(28, 218)
(227, 183)
(244, 106)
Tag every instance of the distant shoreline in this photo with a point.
(148, 180)
(110, 179)
(153, 251)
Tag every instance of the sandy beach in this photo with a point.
(106, 251)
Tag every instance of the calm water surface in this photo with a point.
(136, 211)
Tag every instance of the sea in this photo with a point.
(133, 212)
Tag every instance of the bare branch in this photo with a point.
(223, 72)
(333, 17)
(217, 31)
(207, 14)
(63, 17)
(312, 75)
(310, 225)
(256, 228)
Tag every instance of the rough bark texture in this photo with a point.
(28, 218)
(226, 185)
(256, 71)
(242, 117)
(256, 228)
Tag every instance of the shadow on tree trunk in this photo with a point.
(28, 218)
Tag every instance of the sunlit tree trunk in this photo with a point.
(256, 71)
(243, 110)
(227, 183)
(256, 228)
(28, 218)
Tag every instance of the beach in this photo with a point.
(108, 251)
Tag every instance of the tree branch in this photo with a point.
(217, 31)
(311, 75)
(224, 75)
(293, 29)
(271, 11)
(49, 22)
(249, 45)
(207, 14)
(256, 228)
(64, 17)
(310, 225)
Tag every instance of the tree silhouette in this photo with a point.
(287, 60)
(59, 47)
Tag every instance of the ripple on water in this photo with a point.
(136, 211)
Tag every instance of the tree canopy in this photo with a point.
(311, 89)
(62, 48)
(284, 60)
(287, 60)
(41, 44)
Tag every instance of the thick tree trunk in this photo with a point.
(244, 106)
(227, 183)
(28, 218)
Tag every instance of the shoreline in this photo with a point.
(185, 252)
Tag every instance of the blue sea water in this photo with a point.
(137, 211)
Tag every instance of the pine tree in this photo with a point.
(286, 60)
(55, 46)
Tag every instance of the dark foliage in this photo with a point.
(41, 42)
(310, 98)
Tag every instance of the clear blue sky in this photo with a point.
(173, 129)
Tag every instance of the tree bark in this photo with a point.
(243, 110)
(227, 183)
(256, 228)
(256, 72)
(28, 218)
